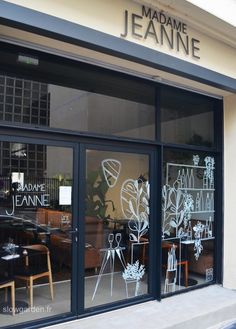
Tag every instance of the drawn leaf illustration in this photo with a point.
(111, 169)
(145, 201)
(173, 224)
(133, 237)
(135, 207)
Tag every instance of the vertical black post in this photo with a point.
(75, 203)
(81, 228)
(219, 195)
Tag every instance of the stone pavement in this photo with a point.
(212, 307)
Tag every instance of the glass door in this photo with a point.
(36, 182)
(116, 253)
(40, 251)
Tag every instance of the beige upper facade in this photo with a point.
(192, 40)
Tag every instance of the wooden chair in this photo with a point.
(4, 284)
(29, 272)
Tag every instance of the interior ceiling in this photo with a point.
(35, 41)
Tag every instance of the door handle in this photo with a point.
(74, 232)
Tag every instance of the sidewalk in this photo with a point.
(207, 308)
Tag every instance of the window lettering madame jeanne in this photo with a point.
(29, 195)
(163, 29)
(32, 195)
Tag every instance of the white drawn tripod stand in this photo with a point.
(110, 254)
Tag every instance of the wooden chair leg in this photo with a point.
(11, 285)
(186, 274)
(13, 298)
(51, 285)
(31, 291)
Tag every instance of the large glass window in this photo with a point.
(110, 106)
(116, 226)
(35, 221)
(186, 117)
(188, 219)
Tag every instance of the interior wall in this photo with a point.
(229, 271)
(59, 162)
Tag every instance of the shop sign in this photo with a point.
(163, 29)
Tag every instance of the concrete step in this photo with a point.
(198, 309)
(229, 324)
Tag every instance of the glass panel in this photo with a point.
(35, 219)
(186, 118)
(118, 107)
(116, 226)
(187, 220)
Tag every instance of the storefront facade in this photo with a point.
(113, 122)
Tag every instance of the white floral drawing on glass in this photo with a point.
(209, 274)
(208, 179)
(134, 271)
(132, 274)
(177, 206)
(111, 169)
(198, 229)
(135, 207)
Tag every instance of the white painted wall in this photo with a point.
(229, 274)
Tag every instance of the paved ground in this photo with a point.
(212, 307)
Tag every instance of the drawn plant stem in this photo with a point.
(135, 207)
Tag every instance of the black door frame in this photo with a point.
(71, 315)
(152, 277)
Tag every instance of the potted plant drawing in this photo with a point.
(132, 274)
(135, 207)
(96, 190)
(176, 206)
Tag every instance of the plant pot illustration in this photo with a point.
(132, 287)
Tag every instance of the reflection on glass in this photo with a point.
(35, 217)
(187, 220)
(187, 117)
(119, 107)
(116, 226)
